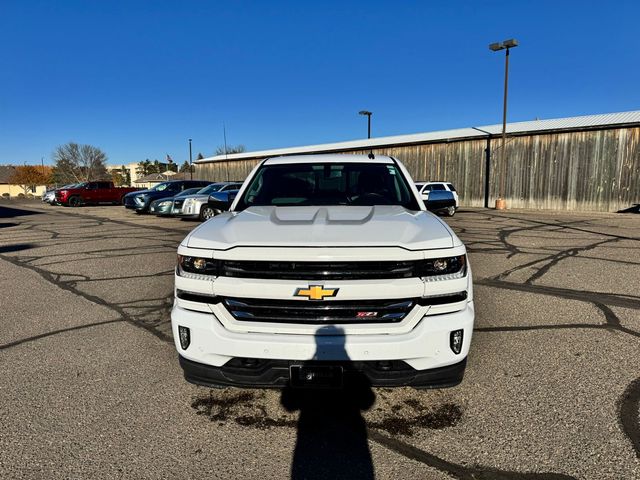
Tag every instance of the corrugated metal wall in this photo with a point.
(597, 170)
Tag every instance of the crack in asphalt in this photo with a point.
(70, 287)
(626, 301)
(57, 332)
(628, 403)
(459, 472)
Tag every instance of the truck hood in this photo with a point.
(324, 226)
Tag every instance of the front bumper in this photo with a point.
(133, 204)
(190, 210)
(275, 374)
(424, 348)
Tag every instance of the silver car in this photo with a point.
(191, 206)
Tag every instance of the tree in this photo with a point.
(145, 167)
(121, 176)
(28, 177)
(79, 163)
(117, 178)
(126, 173)
(229, 149)
(185, 167)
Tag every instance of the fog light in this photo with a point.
(185, 337)
(455, 341)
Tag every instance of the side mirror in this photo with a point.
(218, 204)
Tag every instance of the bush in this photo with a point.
(6, 195)
(21, 195)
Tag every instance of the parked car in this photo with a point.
(424, 188)
(140, 201)
(163, 207)
(192, 207)
(92, 193)
(50, 195)
(441, 201)
(218, 202)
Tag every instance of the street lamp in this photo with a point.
(496, 47)
(368, 114)
(190, 161)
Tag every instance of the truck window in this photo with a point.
(328, 184)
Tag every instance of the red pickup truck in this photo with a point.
(92, 193)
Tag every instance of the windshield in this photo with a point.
(328, 184)
(160, 187)
(209, 189)
(188, 191)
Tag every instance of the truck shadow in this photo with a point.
(331, 432)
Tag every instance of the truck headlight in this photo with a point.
(446, 268)
(197, 267)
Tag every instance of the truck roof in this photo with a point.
(328, 158)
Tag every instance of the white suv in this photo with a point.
(191, 206)
(327, 267)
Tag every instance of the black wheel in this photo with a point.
(122, 200)
(206, 212)
(74, 201)
(451, 211)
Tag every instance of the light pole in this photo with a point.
(368, 114)
(190, 161)
(501, 203)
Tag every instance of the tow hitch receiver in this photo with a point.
(312, 376)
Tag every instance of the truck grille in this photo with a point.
(319, 270)
(332, 312)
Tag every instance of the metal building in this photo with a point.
(579, 163)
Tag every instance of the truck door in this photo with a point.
(90, 194)
(105, 192)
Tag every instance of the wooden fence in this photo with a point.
(596, 170)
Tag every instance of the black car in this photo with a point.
(140, 200)
(218, 202)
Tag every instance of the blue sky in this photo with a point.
(138, 79)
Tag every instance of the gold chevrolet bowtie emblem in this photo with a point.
(316, 292)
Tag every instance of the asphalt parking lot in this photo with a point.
(90, 385)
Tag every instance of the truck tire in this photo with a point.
(451, 211)
(122, 200)
(74, 201)
(207, 212)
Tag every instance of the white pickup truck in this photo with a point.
(326, 267)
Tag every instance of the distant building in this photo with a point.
(134, 170)
(8, 189)
(153, 179)
(578, 163)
